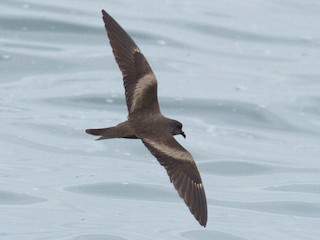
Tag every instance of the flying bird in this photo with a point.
(146, 122)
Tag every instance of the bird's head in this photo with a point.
(177, 128)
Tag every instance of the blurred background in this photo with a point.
(243, 78)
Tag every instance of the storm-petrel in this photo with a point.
(146, 122)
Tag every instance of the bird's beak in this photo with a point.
(183, 134)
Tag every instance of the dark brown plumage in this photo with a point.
(146, 122)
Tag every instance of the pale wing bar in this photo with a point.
(132, 64)
(183, 173)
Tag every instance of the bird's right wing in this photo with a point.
(139, 81)
(183, 173)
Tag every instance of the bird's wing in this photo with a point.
(182, 171)
(139, 81)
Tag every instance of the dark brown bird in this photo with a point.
(146, 122)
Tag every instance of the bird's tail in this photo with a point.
(122, 130)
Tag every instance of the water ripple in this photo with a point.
(209, 235)
(45, 25)
(230, 168)
(131, 191)
(12, 198)
(298, 188)
(292, 208)
(98, 237)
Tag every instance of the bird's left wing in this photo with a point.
(182, 171)
(139, 80)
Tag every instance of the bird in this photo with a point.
(146, 122)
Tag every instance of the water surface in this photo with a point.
(242, 76)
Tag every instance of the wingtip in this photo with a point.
(104, 14)
(202, 221)
(199, 211)
(203, 224)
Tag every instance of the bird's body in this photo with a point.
(146, 122)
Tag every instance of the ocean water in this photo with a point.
(242, 76)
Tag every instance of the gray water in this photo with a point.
(242, 76)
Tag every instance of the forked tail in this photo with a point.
(122, 130)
